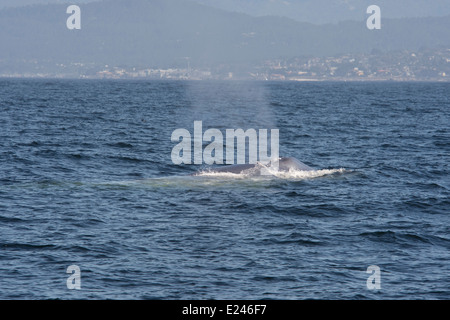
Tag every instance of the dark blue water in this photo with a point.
(86, 179)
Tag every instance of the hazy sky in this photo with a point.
(314, 11)
(18, 3)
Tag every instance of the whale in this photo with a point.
(285, 164)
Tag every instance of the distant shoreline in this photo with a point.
(3, 77)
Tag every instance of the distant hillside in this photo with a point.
(160, 33)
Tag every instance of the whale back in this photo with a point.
(290, 163)
(284, 164)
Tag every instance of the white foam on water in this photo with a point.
(211, 177)
(273, 173)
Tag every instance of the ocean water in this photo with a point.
(86, 179)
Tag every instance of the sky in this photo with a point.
(313, 11)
